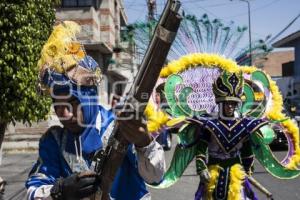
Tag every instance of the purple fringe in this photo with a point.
(200, 191)
(249, 189)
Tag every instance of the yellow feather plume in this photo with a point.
(57, 52)
(292, 128)
(196, 59)
(237, 177)
(275, 113)
(155, 119)
(214, 171)
(175, 121)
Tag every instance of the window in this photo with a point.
(77, 3)
(81, 3)
(85, 2)
(69, 3)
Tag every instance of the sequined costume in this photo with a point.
(197, 87)
(224, 144)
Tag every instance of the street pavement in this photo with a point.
(15, 168)
(185, 188)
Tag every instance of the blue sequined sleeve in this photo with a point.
(48, 166)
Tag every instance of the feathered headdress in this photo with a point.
(63, 59)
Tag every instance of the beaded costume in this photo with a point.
(191, 106)
(196, 86)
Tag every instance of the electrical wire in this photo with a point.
(204, 8)
(185, 2)
(253, 10)
(285, 28)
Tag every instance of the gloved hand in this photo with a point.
(76, 186)
(135, 131)
(205, 176)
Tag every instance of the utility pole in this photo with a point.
(151, 4)
(249, 24)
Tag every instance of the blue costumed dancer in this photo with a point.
(64, 169)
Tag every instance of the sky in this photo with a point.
(267, 16)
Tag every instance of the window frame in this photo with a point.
(76, 2)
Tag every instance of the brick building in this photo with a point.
(102, 22)
(289, 82)
(292, 41)
(277, 63)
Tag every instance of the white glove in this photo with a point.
(205, 176)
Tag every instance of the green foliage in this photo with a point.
(25, 26)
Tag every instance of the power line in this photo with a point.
(139, 11)
(220, 4)
(208, 11)
(131, 4)
(285, 28)
(224, 18)
(140, 15)
(254, 10)
(204, 8)
(187, 2)
(214, 5)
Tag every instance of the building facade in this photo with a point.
(102, 22)
(289, 83)
(276, 63)
(292, 41)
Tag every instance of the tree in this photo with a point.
(25, 26)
